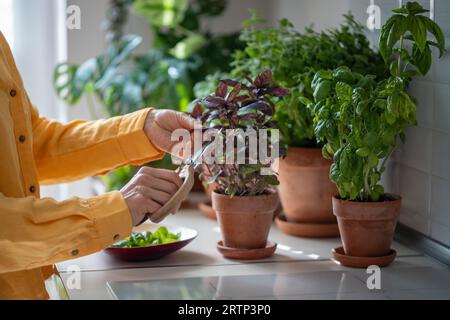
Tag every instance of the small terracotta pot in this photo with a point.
(305, 187)
(245, 221)
(367, 228)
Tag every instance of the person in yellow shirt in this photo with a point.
(36, 233)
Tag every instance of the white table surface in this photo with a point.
(201, 259)
(414, 277)
(202, 251)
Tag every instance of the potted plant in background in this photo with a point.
(305, 189)
(182, 53)
(361, 121)
(244, 199)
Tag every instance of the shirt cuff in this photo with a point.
(109, 221)
(111, 217)
(133, 141)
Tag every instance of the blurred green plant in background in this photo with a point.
(183, 52)
(294, 57)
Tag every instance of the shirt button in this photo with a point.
(116, 237)
(84, 203)
(75, 252)
(13, 93)
(32, 189)
(22, 138)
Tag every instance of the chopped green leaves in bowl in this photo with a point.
(148, 238)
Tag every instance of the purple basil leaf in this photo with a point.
(233, 94)
(278, 91)
(248, 117)
(222, 89)
(213, 102)
(258, 105)
(205, 117)
(197, 112)
(264, 79)
(247, 102)
(230, 83)
(242, 98)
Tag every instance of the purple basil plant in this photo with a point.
(236, 108)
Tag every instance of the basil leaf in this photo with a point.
(422, 60)
(434, 29)
(343, 91)
(418, 31)
(322, 90)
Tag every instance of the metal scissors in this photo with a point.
(187, 172)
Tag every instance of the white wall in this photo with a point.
(422, 166)
(237, 11)
(322, 14)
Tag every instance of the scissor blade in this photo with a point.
(198, 155)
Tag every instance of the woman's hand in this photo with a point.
(161, 123)
(148, 191)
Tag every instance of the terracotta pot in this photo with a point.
(367, 228)
(305, 187)
(245, 221)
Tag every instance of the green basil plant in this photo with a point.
(361, 119)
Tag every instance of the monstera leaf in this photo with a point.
(64, 85)
(71, 80)
(162, 13)
(187, 47)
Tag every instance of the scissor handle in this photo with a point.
(174, 203)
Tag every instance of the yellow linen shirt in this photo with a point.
(34, 232)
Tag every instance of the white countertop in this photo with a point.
(200, 259)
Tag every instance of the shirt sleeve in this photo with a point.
(51, 231)
(67, 152)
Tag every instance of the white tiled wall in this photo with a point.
(421, 169)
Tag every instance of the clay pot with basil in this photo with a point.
(305, 188)
(245, 221)
(367, 228)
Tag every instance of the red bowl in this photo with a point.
(156, 251)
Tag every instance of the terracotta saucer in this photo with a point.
(308, 230)
(362, 262)
(247, 254)
(207, 210)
